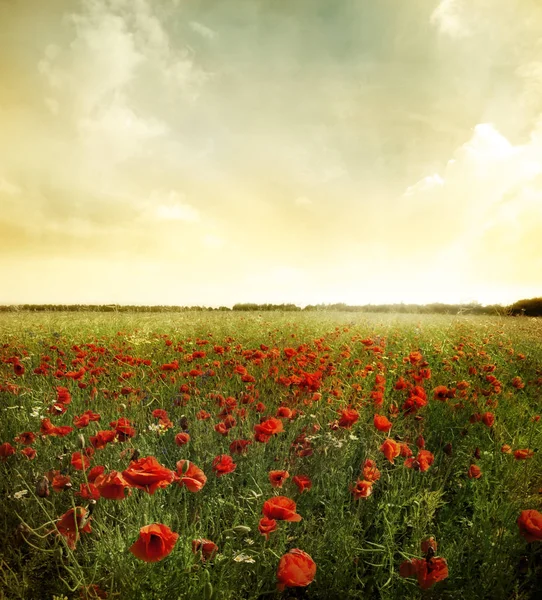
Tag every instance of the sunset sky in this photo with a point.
(220, 151)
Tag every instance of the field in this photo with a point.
(404, 452)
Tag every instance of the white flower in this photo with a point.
(243, 558)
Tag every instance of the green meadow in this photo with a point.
(456, 456)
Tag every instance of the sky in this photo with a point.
(209, 152)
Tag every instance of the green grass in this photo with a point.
(357, 545)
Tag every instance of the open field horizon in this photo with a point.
(406, 448)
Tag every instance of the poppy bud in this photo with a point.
(241, 529)
(42, 487)
(135, 455)
(81, 440)
(448, 449)
(477, 453)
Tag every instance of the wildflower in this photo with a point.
(390, 449)
(190, 476)
(73, 523)
(296, 569)
(266, 526)
(475, 472)
(148, 474)
(111, 486)
(154, 543)
(303, 483)
(207, 548)
(223, 464)
(277, 478)
(382, 423)
(530, 525)
(281, 508)
(362, 489)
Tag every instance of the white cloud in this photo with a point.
(170, 206)
(302, 201)
(202, 30)
(8, 188)
(427, 183)
(447, 17)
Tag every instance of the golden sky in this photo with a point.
(221, 151)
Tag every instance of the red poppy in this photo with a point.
(429, 543)
(94, 472)
(154, 543)
(239, 446)
(182, 438)
(422, 462)
(148, 474)
(124, 429)
(30, 453)
(102, 438)
(475, 472)
(190, 476)
(277, 478)
(391, 449)
(523, 454)
(370, 471)
(303, 483)
(59, 482)
(362, 489)
(295, 569)
(348, 416)
(111, 486)
(73, 523)
(281, 508)
(88, 491)
(265, 430)
(428, 571)
(530, 525)
(223, 464)
(266, 526)
(80, 462)
(26, 438)
(6, 450)
(207, 548)
(382, 423)
(488, 418)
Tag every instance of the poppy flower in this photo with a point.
(382, 423)
(148, 474)
(277, 478)
(422, 462)
(111, 486)
(362, 489)
(154, 543)
(523, 454)
(295, 569)
(26, 438)
(182, 438)
(266, 526)
(488, 418)
(530, 525)
(94, 472)
(80, 462)
(281, 508)
(239, 446)
(124, 429)
(348, 416)
(370, 471)
(72, 523)
(267, 428)
(6, 450)
(59, 482)
(207, 548)
(30, 453)
(303, 483)
(428, 572)
(429, 544)
(88, 491)
(391, 449)
(102, 438)
(190, 476)
(223, 464)
(475, 472)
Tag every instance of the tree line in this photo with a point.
(530, 307)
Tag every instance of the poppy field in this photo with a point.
(245, 456)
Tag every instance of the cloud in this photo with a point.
(8, 188)
(170, 206)
(202, 30)
(447, 17)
